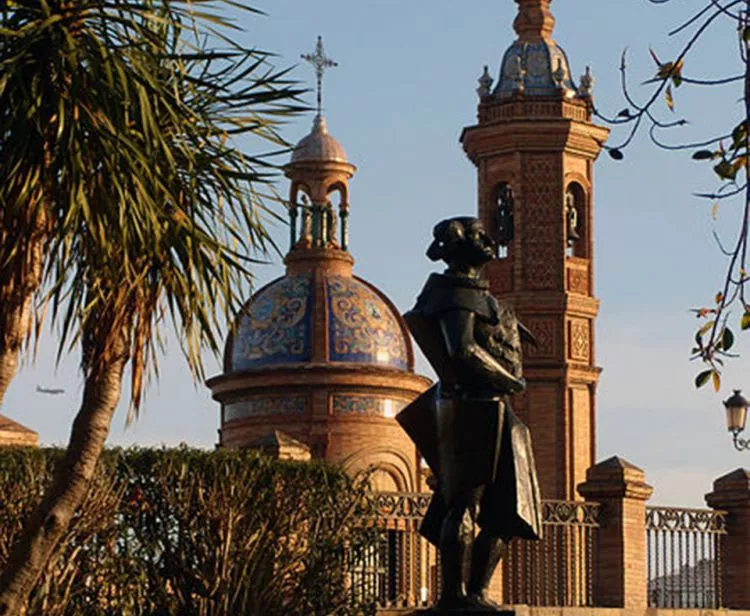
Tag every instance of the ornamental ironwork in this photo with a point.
(686, 520)
(685, 562)
(570, 513)
(402, 505)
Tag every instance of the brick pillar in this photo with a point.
(621, 570)
(732, 494)
(495, 591)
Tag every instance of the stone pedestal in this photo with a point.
(621, 490)
(732, 494)
(438, 612)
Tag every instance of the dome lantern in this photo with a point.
(535, 65)
(319, 171)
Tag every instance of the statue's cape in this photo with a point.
(489, 447)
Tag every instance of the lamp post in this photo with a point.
(736, 408)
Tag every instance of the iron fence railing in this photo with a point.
(557, 571)
(685, 557)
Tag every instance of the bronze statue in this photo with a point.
(478, 450)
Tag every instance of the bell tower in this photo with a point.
(534, 147)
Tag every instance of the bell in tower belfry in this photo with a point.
(535, 140)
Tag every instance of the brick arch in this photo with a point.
(580, 187)
(387, 460)
(340, 187)
(491, 184)
(579, 178)
(296, 188)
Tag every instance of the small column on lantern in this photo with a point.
(292, 225)
(323, 225)
(344, 214)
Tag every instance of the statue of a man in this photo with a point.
(464, 427)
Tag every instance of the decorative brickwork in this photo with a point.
(579, 341)
(578, 278)
(547, 336)
(502, 275)
(542, 239)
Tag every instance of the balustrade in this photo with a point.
(685, 557)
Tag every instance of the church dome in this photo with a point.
(282, 321)
(538, 68)
(319, 146)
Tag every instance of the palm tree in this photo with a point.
(129, 201)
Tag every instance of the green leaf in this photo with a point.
(703, 155)
(746, 34)
(725, 170)
(702, 378)
(745, 323)
(624, 113)
(616, 153)
(716, 379)
(727, 339)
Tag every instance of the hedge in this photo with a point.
(187, 531)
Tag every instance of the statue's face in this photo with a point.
(481, 246)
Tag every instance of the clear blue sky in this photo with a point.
(398, 101)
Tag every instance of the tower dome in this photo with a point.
(534, 65)
(536, 69)
(322, 355)
(319, 145)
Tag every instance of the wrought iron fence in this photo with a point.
(404, 570)
(685, 557)
(557, 571)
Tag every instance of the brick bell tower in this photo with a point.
(534, 147)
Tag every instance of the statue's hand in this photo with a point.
(518, 385)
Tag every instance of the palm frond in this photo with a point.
(126, 122)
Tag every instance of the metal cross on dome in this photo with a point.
(320, 63)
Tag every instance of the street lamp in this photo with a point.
(736, 408)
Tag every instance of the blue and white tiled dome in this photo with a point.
(279, 325)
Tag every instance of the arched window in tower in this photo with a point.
(575, 221)
(503, 225)
(335, 206)
(301, 208)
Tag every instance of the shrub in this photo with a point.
(186, 531)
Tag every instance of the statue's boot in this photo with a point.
(486, 555)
